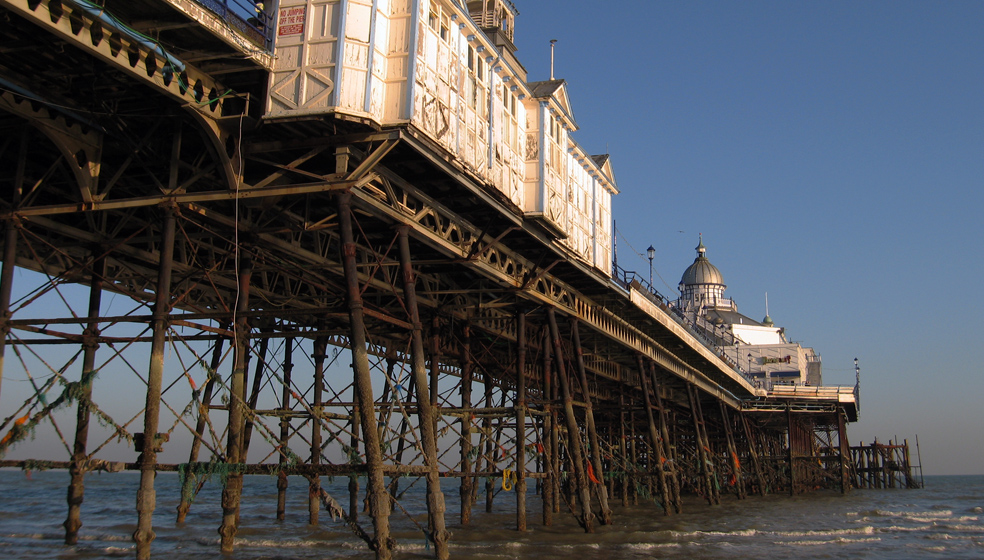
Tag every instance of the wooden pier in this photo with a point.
(880, 465)
(350, 239)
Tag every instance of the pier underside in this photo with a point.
(186, 287)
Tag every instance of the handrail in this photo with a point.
(630, 279)
(254, 20)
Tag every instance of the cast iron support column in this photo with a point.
(703, 446)
(791, 457)
(845, 453)
(622, 448)
(595, 460)
(146, 495)
(6, 285)
(233, 490)
(426, 413)
(379, 498)
(573, 433)
(752, 441)
(353, 458)
(520, 421)
(654, 439)
(284, 428)
(549, 435)
(10, 252)
(465, 489)
(76, 488)
(664, 430)
(634, 457)
(314, 481)
(490, 448)
(738, 480)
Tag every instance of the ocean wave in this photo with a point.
(867, 530)
(963, 519)
(898, 529)
(949, 537)
(689, 534)
(649, 546)
(964, 528)
(296, 543)
(839, 540)
(941, 514)
(928, 548)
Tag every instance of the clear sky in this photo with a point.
(832, 155)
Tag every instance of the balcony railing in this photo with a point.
(631, 279)
(253, 20)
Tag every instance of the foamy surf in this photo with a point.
(939, 522)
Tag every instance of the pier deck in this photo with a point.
(259, 247)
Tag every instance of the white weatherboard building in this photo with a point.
(757, 347)
(447, 68)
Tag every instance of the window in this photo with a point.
(439, 22)
(510, 128)
(554, 153)
(476, 94)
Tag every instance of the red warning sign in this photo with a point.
(291, 21)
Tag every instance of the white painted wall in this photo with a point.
(426, 64)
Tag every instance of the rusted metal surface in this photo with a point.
(146, 495)
(343, 245)
(76, 488)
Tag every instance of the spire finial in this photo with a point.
(768, 320)
(552, 43)
(700, 245)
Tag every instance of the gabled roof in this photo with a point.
(557, 90)
(545, 88)
(604, 163)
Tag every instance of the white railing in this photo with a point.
(810, 390)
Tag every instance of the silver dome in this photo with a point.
(701, 271)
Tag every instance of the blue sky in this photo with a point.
(832, 155)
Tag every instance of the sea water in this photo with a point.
(944, 520)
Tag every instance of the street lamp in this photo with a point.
(651, 252)
(749, 363)
(857, 385)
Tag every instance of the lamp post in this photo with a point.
(857, 385)
(651, 252)
(749, 363)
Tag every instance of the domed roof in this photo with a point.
(702, 271)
